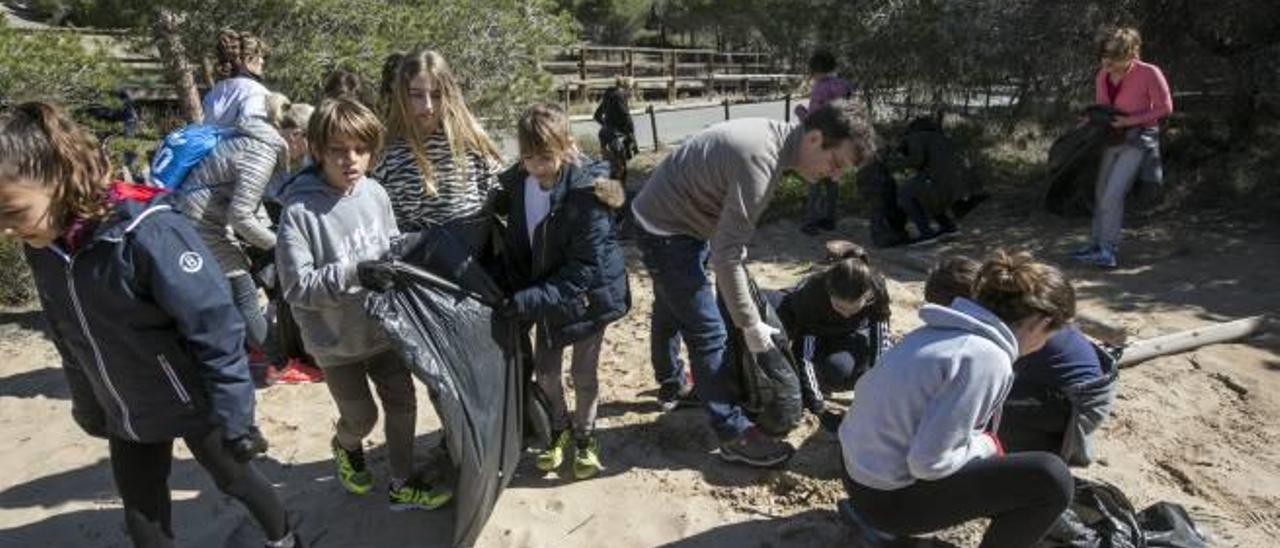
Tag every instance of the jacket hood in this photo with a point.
(971, 317)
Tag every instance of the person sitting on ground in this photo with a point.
(239, 92)
(700, 207)
(927, 195)
(825, 86)
(838, 323)
(151, 342)
(617, 129)
(1061, 393)
(568, 275)
(920, 434)
(337, 223)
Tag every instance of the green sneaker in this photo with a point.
(351, 470)
(413, 495)
(552, 457)
(586, 459)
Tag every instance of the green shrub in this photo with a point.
(15, 278)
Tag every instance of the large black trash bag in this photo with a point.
(1101, 516)
(1073, 163)
(472, 362)
(769, 387)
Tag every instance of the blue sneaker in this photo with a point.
(1085, 251)
(1102, 258)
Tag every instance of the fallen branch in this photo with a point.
(1173, 343)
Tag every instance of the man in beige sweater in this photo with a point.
(700, 207)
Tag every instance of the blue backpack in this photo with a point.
(182, 150)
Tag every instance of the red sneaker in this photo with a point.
(297, 371)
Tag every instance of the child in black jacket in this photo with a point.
(151, 343)
(566, 268)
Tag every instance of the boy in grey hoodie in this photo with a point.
(335, 223)
(920, 431)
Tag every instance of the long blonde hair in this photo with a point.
(456, 121)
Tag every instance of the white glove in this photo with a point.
(759, 337)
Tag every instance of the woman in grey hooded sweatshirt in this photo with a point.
(919, 443)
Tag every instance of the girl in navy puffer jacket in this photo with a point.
(151, 343)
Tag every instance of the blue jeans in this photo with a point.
(684, 305)
(824, 197)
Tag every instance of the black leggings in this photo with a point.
(1023, 494)
(141, 472)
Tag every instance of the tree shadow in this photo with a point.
(49, 382)
(811, 528)
(332, 518)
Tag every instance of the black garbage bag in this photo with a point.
(1101, 516)
(879, 191)
(769, 387)
(471, 361)
(1073, 163)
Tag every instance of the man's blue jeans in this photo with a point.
(684, 304)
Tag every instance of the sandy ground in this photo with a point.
(1180, 432)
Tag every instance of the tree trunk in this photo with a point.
(177, 66)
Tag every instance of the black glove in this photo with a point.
(247, 446)
(376, 275)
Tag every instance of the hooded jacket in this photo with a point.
(224, 193)
(151, 343)
(572, 278)
(324, 234)
(927, 410)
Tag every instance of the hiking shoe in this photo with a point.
(826, 224)
(586, 457)
(351, 469)
(552, 457)
(924, 239)
(868, 535)
(673, 396)
(297, 371)
(1102, 258)
(755, 448)
(414, 495)
(810, 229)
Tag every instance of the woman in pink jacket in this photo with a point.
(1139, 92)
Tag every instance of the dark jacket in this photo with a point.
(807, 315)
(152, 345)
(1060, 396)
(572, 280)
(613, 112)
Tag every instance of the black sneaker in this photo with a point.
(755, 448)
(673, 396)
(869, 536)
(826, 224)
(810, 229)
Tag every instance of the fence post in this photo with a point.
(726, 108)
(567, 97)
(786, 109)
(671, 85)
(630, 68)
(653, 125)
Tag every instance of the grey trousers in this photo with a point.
(1117, 171)
(586, 387)
(357, 413)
